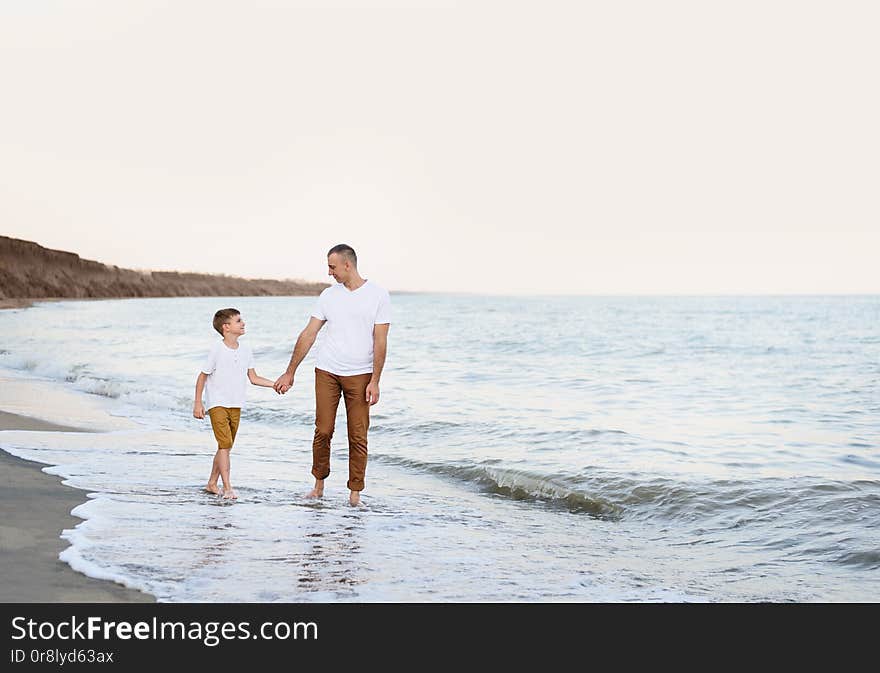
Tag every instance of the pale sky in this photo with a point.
(637, 147)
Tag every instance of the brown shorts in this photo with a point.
(224, 421)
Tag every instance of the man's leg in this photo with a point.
(327, 392)
(357, 413)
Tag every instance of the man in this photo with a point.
(349, 363)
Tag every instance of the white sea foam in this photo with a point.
(81, 547)
(54, 402)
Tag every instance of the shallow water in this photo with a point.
(524, 449)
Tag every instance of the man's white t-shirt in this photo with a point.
(347, 345)
(227, 375)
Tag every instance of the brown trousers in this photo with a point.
(328, 389)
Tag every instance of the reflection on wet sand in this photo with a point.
(216, 539)
(330, 560)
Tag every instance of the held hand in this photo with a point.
(283, 383)
(372, 393)
(198, 410)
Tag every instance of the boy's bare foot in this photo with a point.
(354, 498)
(229, 494)
(212, 488)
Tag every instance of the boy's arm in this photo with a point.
(303, 345)
(258, 380)
(198, 407)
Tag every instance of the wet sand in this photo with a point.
(34, 509)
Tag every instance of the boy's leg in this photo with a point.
(233, 417)
(215, 475)
(327, 392)
(224, 422)
(220, 426)
(223, 460)
(357, 413)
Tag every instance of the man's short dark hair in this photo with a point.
(223, 316)
(346, 251)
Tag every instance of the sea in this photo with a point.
(524, 449)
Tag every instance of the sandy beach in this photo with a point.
(36, 508)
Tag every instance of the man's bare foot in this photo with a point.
(354, 498)
(212, 488)
(229, 494)
(318, 491)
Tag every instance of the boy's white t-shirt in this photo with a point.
(227, 375)
(347, 345)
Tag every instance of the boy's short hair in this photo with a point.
(223, 316)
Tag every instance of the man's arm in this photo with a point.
(198, 407)
(380, 348)
(303, 344)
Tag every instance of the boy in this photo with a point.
(228, 365)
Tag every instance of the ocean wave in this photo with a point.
(78, 375)
(99, 386)
(426, 428)
(537, 438)
(860, 460)
(277, 416)
(716, 504)
(79, 554)
(868, 559)
(74, 557)
(518, 485)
